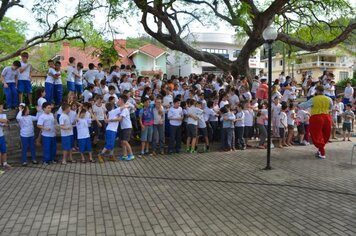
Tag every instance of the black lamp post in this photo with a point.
(269, 35)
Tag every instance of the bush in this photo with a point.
(343, 82)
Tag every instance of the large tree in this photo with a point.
(54, 28)
(171, 19)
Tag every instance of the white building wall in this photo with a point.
(208, 41)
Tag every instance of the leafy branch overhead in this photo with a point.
(54, 30)
(306, 24)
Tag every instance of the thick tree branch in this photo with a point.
(317, 46)
(6, 5)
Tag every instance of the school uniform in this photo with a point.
(58, 90)
(11, 94)
(111, 129)
(79, 82)
(24, 82)
(27, 135)
(83, 135)
(70, 79)
(66, 135)
(49, 84)
(239, 129)
(175, 126)
(48, 137)
(158, 129)
(3, 148)
(126, 125)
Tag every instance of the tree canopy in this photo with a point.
(172, 19)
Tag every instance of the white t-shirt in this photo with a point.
(282, 120)
(234, 100)
(40, 102)
(100, 75)
(112, 125)
(83, 128)
(175, 113)
(49, 78)
(59, 79)
(87, 95)
(10, 74)
(108, 95)
(47, 121)
(223, 103)
(79, 80)
(125, 86)
(276, 109)
(25, 75)
(72, 116)
(90, 76)
(290, 119)
(301, 115)
(2, 116)
(64, 119)
(193, 111)
(209, 112)
(167, 100)
(248, 117)
(126, 121)
(70, 75)
(240, 116)
(99, 111)
(26, 125)
(286, 95)
(348, 92)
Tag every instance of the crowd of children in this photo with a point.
(121, 105)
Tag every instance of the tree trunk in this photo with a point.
(241, 65)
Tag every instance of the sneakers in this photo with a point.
(321, 157)
(317, 154)
(34, 162)
(130, 157)
(100, 158)
(24, 164)
(122, 158)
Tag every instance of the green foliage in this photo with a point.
(12, 36)
(140, 41)
(108, 54)
(39, 55)
(342, 83)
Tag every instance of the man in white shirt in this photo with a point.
(70, 76)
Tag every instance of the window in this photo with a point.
(344, 75)
(266, 64)
(281, 62)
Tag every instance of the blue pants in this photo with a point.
(58, 94)
(28, 143)
(79, 88)
(24, 86)
(49, 148)
(3, 148)
(70, 86)
(110, 137)
(49, 92)
(12, 97)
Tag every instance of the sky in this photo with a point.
(134, 29)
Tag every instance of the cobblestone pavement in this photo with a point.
(187, 194)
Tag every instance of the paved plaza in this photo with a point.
(187, 194)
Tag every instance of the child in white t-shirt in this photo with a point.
(84, 141)
(27, 133)
(46, 123)
(112, 120)
(3, 151)
(66, 126)
(283, 125)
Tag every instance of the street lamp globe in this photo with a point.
(270, 34)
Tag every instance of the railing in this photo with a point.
(322, 64)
